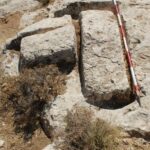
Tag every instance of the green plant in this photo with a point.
(83, 133)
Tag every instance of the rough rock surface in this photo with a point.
(46, 24)
(30, 18)
(39, 27)
(103, 68)
(55, 46)
(74, 7)
(11, 6)
(9, 64)
(131, 118)
(137, 25)
(50, 147)
(64, 103)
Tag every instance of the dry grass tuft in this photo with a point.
(27, 95)
(83, 133)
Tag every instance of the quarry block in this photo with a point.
(52, 47)
(103, 68)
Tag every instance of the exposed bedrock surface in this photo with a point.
(138, 29)
(74, 7)
(11, 6)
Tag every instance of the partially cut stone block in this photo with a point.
(103, 67)
(54, 46)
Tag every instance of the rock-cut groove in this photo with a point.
(75, 8)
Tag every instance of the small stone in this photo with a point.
(2, 143)
(10, 64)
(50, 147)
(125, 141)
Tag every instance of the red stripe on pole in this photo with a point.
(116, 9)
(136, 88)
(129, 59)
(122, 31)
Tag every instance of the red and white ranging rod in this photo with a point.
(136, 88)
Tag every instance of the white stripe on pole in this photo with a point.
(115, 2)
(133, 76)
(125, 44)
(119, 19)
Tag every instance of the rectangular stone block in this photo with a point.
(103, 68)
(52, 47)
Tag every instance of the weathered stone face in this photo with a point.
(45, 24)
(63, 103)
(103, 67)
(9, 64)
(42, 26)
(11, 6)
(29, 18)
(51, 47)
(132, 118)
(138, 29)
(74, 7)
